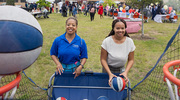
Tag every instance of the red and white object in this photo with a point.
(118, 84)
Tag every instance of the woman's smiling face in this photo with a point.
(119, 29)
(71, 26)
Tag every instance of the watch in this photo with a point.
(82, 65)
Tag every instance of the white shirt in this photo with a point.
(45, 10)
(60, 5)
(118, 53)
(127, 8)
(172, 15)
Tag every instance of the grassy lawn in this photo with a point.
(146, 54)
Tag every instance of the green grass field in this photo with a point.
(146, 54)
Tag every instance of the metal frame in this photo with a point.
(50, 87)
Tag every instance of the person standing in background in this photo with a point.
(26, 4)
(70, 9)
(64, 10)
(153, 12)
(56, 8)
(74, 11)
(51, 8)
(107, 9)
(100, 11)
(92, 13)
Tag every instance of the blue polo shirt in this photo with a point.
(69, 53)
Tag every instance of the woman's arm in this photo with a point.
(103, 59)
(129, 65)
(59, 67)
(84, 56)
(79, 68)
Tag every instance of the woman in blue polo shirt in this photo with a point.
(69, 51)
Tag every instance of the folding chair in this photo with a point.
(111, 14)
(175, 18)
(115, 14)
(145, 19)
(167, 18)
(135, 16)
(87, 86)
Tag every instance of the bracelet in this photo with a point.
(82, 65)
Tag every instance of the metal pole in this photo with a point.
(142, 21)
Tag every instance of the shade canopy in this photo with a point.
(33, 1)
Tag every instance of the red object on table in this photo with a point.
(123, 10)
(130, 10)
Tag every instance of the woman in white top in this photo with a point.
(107, 9)
(117, 49)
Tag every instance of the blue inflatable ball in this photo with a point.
(102, 98)
(21, 39)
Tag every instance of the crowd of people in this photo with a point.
(72, 9)
(90, 9)
(85, 8)
(31, 6)
(157, 9)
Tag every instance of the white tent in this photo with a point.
(117, 2)
(31, 1)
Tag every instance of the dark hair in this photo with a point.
(113, 25)
(73, 19)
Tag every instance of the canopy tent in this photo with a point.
(32, 1)
(101, 1)
(117, 2)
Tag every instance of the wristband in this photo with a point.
(82, 65)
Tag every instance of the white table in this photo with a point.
(38, 14)
(121, 14)
(130, 15)
(159, 18)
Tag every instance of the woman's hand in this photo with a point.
(110, 78)
(59, 69)
(77, 72)
(125, 77)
